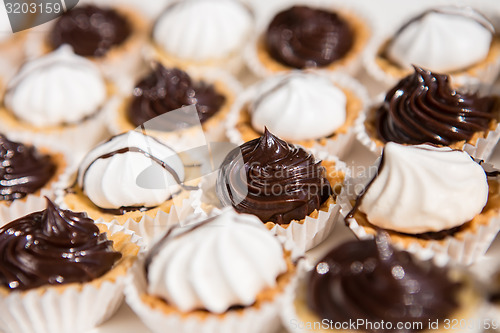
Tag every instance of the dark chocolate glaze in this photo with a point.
(373, 281)
(90, 30)
(276, 181)
(124, 209)
(53, 247)
(167, 89)
(302, 37)
(23, 169)
(423, 108)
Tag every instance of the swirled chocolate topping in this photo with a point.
(276, 181)
(90, 30)
(371, 280)
(423, 108)
(53, 246)
(303, 37)
(23, 170)
(167, 89)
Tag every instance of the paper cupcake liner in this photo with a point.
(363, 137)
(472, 246)
(151, 228)
(189, 138)
(484, 147)
(351, 67)
(72, 310)
(338, 146)
(312, 231)
(264, 319)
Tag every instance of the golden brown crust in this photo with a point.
(361, 32)
(265, 296)
(354, 106)
(121, 243)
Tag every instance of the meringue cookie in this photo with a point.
(215, 264)
(203, 29)
(58, 88)
(123, 172)
(425, 189)
(442, 41)
(299, 106)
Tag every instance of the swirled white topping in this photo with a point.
(123, 172)
(60, 87)
(441, 41)
(216, 264)
(203, 29)
(299, 106)
(425, 189)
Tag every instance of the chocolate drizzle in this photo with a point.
(54, 247)
(276, 181)
(23, 169)
(423, 108)
(166, 89)
(373, 281)
(302, 37)
(90, 30)
(124, 209)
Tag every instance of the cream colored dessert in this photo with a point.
(130, 175)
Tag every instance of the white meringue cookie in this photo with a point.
(299, 106)
(60, 87)
(130, 178)
(441, 41)
(203, 29)
(216, 264)
(425, 189)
